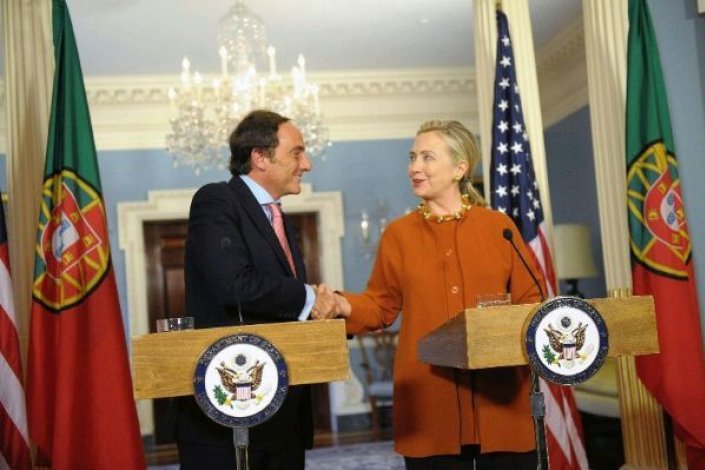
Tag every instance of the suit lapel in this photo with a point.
(256, 213)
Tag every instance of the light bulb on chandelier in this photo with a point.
(205, 116)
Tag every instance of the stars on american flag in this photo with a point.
(512, 177)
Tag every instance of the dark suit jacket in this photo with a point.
(233, 256)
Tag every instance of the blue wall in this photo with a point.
(3, 173)
(368, 174)
(571, 179)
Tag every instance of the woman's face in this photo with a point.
(432, 169)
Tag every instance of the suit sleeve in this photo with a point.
(224, 261)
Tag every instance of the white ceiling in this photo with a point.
(127, 37)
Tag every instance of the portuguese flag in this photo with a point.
(660, 244)
(79, 397)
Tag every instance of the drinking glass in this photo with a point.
(174, 324)
(493, 300)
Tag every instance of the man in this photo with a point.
(238, 270)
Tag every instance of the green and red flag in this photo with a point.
(660, 244)
(81, 410)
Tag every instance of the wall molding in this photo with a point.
(562, 74)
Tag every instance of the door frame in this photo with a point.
(163, 205)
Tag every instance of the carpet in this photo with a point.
(370, 456)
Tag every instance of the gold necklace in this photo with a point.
(457, 215)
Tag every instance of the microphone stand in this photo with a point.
(241, 439)
(241, 434)
(538, 411)
(538, 403)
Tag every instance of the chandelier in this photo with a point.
(206, 115)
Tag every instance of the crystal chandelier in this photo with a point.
(205, 116)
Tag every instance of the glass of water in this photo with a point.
(174, 324)
(494, 300)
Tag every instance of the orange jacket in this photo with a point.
(429, 272)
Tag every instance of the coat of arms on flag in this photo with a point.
(72, 243)
(654, 201)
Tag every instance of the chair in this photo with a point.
(377, 352)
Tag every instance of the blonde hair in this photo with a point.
(463, 146)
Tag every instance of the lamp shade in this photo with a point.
(573, 251)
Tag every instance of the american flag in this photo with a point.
(14, 443)
(515, 191)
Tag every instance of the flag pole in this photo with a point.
(670, 444)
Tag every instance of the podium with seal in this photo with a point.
(240, 374)
(564, 340)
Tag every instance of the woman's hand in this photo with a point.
(329, 304)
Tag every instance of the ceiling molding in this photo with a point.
(133, 111)
(566, 45)
(562, 74)
(139, 89)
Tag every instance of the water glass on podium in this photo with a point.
(493, 300)
(174, 324)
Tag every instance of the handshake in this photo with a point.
(329, 304)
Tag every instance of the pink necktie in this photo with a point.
(278, 225)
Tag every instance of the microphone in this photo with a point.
(538, 404)
(509, 236)
(225, 244)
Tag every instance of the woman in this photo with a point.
(431, 265)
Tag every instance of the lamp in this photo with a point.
(371, 227)
(205, 116)
(574, 258)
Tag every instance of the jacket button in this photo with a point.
(454, 289)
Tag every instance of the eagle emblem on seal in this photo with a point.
(565, 343)
(240, 381)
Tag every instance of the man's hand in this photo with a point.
(329, 304)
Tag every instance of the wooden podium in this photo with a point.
(163, 364)
(480, 338)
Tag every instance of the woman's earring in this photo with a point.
(456, 179)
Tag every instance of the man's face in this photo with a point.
(285, 168)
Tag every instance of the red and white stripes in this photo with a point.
(14, 441)
(564, 437)
(540, 248)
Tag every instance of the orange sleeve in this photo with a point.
(380, 304)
